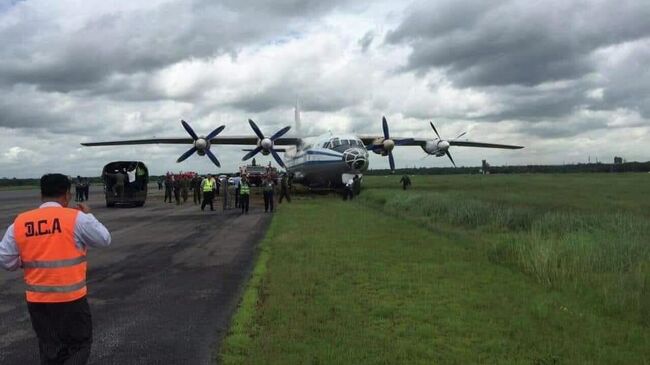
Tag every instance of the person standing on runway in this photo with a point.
(208, 191)
(196, 189)
(284, 189)
(245, 193)
(267, 189)
(50, 244)
(169, 186)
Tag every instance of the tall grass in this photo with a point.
(603, 254)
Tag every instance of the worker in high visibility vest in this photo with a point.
(244, 194)
(207, 185)
(50, 244)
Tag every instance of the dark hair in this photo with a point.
(54, 185)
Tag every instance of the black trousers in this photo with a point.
(207, 199)
(168, 195)
(284, 194)
(64, 331)
(347, 193)
(86, 191)
(243, 202)
(268, 201)
(197, 196)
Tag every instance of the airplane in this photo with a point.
(326, 161)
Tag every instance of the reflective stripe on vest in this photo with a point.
(244, 189)
(56, 289)
(54, 268)
(54, 263)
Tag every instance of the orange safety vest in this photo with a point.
(54, 268)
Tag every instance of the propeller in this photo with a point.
(201, 144)
(389, 144)
(444, 144)
(266, 143)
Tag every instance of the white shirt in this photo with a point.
(88, 232)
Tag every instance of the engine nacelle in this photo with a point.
(430, 147)
(201, 145)
(436, 147)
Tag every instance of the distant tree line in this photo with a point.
(36, 181)
(521, 169)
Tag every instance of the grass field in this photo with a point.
(531, 269)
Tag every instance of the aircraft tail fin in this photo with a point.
(296, 119)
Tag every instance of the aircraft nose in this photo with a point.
(356, 158)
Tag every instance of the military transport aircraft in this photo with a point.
(326, 161)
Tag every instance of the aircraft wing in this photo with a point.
(142, 141)
(368, 140)
(482, 144)
(403, 141)
(252, 140)
(229, 140)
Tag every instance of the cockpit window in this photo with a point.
(335, 142)
(326, 145)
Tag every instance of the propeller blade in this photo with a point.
(280, 133)
(384, 125)
(252, 153)
(213, 158)
(257, 131)
(215, 132)
(189, 130)
(449, 155)
(187, 154)
(434, 129)
(404, 141)
(391, 161)
(462, 134)
(277, 158)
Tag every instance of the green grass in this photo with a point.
(579, 232)
(421, 277)
(19, 187)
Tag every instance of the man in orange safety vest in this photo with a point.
(50, 243)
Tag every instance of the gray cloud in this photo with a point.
(59, 59)
(366, 40)
(516, 42)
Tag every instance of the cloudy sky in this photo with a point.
(567, 79)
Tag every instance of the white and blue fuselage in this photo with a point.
(327, 161)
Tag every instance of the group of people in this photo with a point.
(243, 192)
(179, 185)
(206, 189)
(81, 189)
(126, 180)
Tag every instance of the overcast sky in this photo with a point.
(567, 79)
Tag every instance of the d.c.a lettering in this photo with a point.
(42, 227)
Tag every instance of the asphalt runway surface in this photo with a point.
(162, 293)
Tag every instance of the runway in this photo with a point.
(162, 293)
